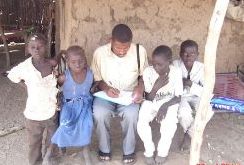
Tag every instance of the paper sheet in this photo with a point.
(125, 97)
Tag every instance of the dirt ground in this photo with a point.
(223, 138)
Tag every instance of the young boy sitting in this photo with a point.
(163, 84)
(192, 76)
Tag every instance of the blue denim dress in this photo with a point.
(76, 123)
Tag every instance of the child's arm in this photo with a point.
(164, 108)
(4, 73)
(22, 84)
(187, 82)
(178, 85)
(196, 82)
(197, 88)
(94, 87)
(160, 82)
(16, 75)
(57, 58)
(138, 91)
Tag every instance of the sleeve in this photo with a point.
(197, 87)
(178, 83)
(143, 59)
(146, 79)
(16, 74)
(96, 66)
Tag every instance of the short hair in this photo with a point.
(37, 36)
(76, 50)
(122, 33)
(187, 43)
(163, 51)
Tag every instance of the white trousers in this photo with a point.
(168, 127)
(187, 111)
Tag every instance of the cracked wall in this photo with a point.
(153, 22)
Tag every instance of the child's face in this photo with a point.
(160, 64)
(189, 56)
(76, 62)
(36, 48)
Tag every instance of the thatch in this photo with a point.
(24, 14)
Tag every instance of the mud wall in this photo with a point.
(89, 23)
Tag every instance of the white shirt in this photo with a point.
(42, 91)
(173, 88)
(196, 76)
(118, 72)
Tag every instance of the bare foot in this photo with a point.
(86, 154)
(160, 160)
(62, 151)
(185, 145)
(150, 160)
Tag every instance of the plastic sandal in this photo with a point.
(104, 156)
(129, 159)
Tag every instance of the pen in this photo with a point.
(110, 83)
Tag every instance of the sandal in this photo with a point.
(104, 156)
(129, 159)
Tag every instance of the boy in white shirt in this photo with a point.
(163, 87)
(37, 74)
(192, 76)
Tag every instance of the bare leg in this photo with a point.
(150, 160)
(160, 160)
(62, 151)
(185, 146)
(86, 153)
(47, 156)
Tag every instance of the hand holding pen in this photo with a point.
(112, 92)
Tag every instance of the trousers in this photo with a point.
(187, 111)
(168, 126)
(35, 131)
(103, 111)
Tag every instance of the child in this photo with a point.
(76, 123)
(163, 87)
(37, 74)
(192, 76)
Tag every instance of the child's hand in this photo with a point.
(61, 79)
(187, 82)
(55, 71)
(161, 113)
(5, 74)
(94, 87)
(137, 95)
(112, 92)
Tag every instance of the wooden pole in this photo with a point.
(5, 44)
(57, 26)
(66, 29)
(50, 28)
(204, 112)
